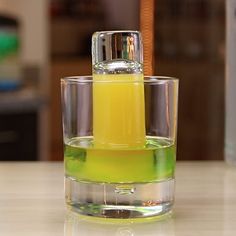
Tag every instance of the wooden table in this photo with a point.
(32, 203)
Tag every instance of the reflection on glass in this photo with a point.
(78, 225)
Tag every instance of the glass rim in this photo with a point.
(115, 31)
(156, 79)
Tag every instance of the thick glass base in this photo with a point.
(120, 201)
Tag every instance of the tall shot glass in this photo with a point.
(124, 181)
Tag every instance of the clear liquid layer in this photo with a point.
(153, 162)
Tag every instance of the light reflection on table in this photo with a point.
(76, 225)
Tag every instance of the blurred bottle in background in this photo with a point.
(10, 72)
(230, 107)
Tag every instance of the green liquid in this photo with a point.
(154, 162)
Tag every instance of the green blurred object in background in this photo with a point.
(9, 44)
(10, 73)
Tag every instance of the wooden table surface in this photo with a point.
(32, 203)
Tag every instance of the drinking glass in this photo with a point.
(120, 146)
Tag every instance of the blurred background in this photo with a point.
(42, 41)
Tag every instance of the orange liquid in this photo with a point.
(118, 110)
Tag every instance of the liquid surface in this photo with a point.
(84, 161)
(118, 110)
